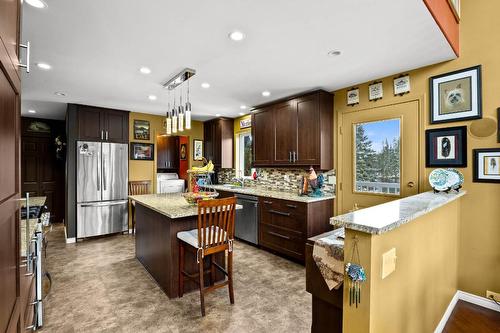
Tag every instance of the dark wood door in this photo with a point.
(263, 136)
(90, 123)
(308, 129)
(209, 140)
(285, 120)
(9, 190)
(115, 126)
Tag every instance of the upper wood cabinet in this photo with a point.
(218, 136)
(10, 27)
(100, 124)
(297, 131)
(167, 152)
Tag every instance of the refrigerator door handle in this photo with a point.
(98, 176)
(104, 180)
(104, 204)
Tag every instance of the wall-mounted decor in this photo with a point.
(353, 96)
(456, 96)
(486, 165)
(183, 154)
(375, 91)
(38, 127)
(141, 130)
(245, 123)
(446, 147)
(142, 151)
(197, 150)
(401, 85)
(498, 125)
(455, 7)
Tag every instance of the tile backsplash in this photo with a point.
(280, 179)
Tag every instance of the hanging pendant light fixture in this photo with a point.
(188, 110)
(168, 119)
(174, 117)
(181, 113)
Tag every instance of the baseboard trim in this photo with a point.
(467, 297)
(68, 240)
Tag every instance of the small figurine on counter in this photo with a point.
(315, 182)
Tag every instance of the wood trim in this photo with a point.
(445, 18)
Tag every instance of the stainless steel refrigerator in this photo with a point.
(102, 188)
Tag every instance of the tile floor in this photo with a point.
(99, 286)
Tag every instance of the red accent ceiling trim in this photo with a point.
(446, 20)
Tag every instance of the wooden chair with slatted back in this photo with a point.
(137, 187)
(214, 234)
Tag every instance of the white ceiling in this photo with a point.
(96, 48)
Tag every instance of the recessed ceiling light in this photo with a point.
(36, 3)
(205, 85)
(217, 114)
(152, 97)
(31, 111)
(237, 35)
(43, 65)
(242, 114)
(243, 107)
(60, 93)
(334, 53)
(145, 70)
(266, 93)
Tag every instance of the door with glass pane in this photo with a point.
(380, 155)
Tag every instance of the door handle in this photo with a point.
(26, 46)
(104, 173)
(411, 184)
(98, 177)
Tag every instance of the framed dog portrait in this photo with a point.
(456, 96)
(486, 165)
(446, 147)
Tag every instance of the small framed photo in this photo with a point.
(375, 91)
(353, 96)
(402, 85)
(456, 96)
(183, 154)
(141, 130)
(446, 147)
(197, 150)
(245, 123)
(486, 165)
(142, 151)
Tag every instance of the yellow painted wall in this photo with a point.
(479, 250)
(414, 297)
(146, 170)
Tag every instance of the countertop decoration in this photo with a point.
(446, 180)
(316, 183)
(328, 254)
(356, 274)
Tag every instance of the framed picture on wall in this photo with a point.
(446, 147)
(401, 85)
(141, 130)
(486, 165)
(456, 96)
(197, 150)
(375, 91)
(498, 125)
(142, 151)
(183, 153)
(353, 96)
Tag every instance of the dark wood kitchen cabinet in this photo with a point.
(167, 152)
(218, 136)
(296, 131)
(100, 124)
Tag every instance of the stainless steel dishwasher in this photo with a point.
(247, 219)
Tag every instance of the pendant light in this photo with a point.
(188, 110)
(168, 119)
(181, 114)
(174, 117)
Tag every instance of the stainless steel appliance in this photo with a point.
(246, 223)
(101, 189)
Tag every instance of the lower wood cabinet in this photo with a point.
(286, 225)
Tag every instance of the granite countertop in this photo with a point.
(33, 226)
(34, 201)
(263, 192)
(388, 216)
(172, 205)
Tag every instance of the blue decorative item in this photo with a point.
(316, 183)
(356, 274)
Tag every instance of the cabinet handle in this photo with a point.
(294, 156)
(289, 156)
(106, 135)
(102, 135)
(272, 211)
(278, 235)
(291, 206)
(26, 46)
(268, 202)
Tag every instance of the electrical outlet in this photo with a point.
(491, 294)
(388, 262)
(286, 178)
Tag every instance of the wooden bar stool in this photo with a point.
(215, 234)
(137, 187)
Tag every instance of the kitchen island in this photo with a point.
(159, 217)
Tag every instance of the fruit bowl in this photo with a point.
(192, 198)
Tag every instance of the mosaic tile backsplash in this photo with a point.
(279, 179)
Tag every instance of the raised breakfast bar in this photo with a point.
(159, 217)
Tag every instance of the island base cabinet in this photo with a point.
(157, 248)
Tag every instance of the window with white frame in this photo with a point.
(244, 164)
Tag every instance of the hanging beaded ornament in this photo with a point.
(356, 274)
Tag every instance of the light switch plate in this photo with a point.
(332, 180)
(388, 262)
